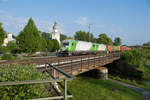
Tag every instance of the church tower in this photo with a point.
(56, 32)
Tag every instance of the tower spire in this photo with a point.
(56, 32)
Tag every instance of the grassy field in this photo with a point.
(140, 84)
(84, 88)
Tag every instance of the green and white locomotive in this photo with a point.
(75, 47)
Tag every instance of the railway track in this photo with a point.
(73, 65)
(40, 61)
(80, 65)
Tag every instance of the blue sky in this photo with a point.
(128, 19)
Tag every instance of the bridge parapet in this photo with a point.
(81, 65)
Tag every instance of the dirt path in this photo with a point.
(145, 92)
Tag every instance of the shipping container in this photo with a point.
(118, 48)
(110, 48)
(114, 48)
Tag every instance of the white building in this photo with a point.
(56, 32)
(9, 38)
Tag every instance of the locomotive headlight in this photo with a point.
(64, 48)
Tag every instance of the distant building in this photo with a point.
(8, 38)
(56, 32)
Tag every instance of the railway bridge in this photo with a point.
(81, 64)
(63, 69)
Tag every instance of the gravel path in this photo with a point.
(145, 92)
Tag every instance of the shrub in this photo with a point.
(7, 57)
(55, 45)
(16, 72)
(50, 45)
(3, 49)
(12, 47)
(138, 57)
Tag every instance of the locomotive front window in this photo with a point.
(65, 44)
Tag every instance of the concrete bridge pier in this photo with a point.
(102, 73)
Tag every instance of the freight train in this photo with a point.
(75, 47)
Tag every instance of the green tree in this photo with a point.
(146, 44)
(43, 44)
(45, 35)
(62, 37)
(3, 49)
(117, 41)
(104, 39)
(55, 45)
(50, 45)
(69, 37)
(2, 34)
(12, 47)
(29, 39)
(84, 36)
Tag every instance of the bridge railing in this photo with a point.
(53, 82)
(84, 64)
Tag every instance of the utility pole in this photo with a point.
(89, 30)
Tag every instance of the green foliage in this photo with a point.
(3, 49)
(117, 41)
(141, 84)
(84, 36)
(138, 57)
(62, 37)
(146, 44)
(45, 35)
(16, 72)
(69, 37)
(7, 56)
(84, 88)
(50, 45)
(104, 39)
(29, 39)
(55, 45)
(12, 47)
(43, 44)
(2, 34)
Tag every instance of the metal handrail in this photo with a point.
(69, 77)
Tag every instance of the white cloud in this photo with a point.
(3, 0)
(82, 21)
(14, 24)
(10, 22)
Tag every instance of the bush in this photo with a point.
(16, 72)
(7, 57)
(55, 45)
(12, 47)
(3, 49)
(138, 57)
(50, 45)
